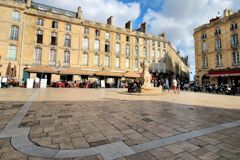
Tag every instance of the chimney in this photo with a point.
(29, 2)
(110, 20)
(79, 13)
(230, 12)
(143, 27)
(225, 12)
(162, 35)
(128, 25)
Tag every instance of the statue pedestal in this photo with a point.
(151, 90)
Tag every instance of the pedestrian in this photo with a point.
(174, 83)
(167, 84)
(178, 85)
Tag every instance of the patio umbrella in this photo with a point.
(14, 71)
(9, 70)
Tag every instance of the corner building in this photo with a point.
(47, 42)
(217, 50)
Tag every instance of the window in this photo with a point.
(127, 50)
(136, 51)
(37, 55)
(85, 59)
(68, 27)
(159, 44)
(127, 63)
(39, 36)
(14, 33)
(204, 46)
(97, 33)
(67, 41)
(86, 30)
(96, 60)
(153, 43)
(117, 37)
(164, 45)
(136, 65)
(16, 15)
(117, 62)
(117, 49)
(219, 59)
(12, 53)
(54, 38)
(40, 22)
(52, 57)
(136, 40)
(164, 54)
(205, 62)
(106, 61)
(218, 31)
(158, 55)
(236, 58)
(218, 44)
(107, 46)
(153, 54)
(54, 24)
(107, 35)
(145, 42)
(233, 26)
(145, 52)
(97, 45)
(85, 44)
(66, 58)
(204, 36)
(234, 40)
(127, 39)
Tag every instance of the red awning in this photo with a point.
(224, 73)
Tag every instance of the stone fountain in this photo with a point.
(147, 86)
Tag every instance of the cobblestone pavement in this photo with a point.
(75, 119)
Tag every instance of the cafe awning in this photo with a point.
(131, 74)
(224, 73)
(109, 74)
(76, 71)
(41, 69)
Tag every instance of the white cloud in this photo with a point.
(100, 10)
(179, 18)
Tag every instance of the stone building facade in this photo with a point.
(217, 50)
(43, 41)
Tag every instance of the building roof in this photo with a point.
(218, 20)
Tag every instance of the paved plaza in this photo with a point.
(97, 124)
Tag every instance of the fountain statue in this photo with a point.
(146, 75)
(147, 87)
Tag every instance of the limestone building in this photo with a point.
(217, 50)
(37, 40)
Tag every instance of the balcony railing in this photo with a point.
(204, 50)
(235, 45)
(52, 63)
(66, 64)
(36, 62)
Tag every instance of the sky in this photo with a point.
(177, 18)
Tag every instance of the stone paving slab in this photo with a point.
(118, 126)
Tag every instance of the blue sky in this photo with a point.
(177, 18)
(155, 5)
